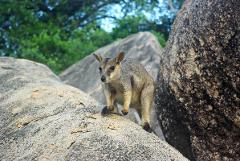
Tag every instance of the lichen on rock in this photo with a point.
(198, 86)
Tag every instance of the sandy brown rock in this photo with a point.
(143, 47)
(44, 119)
(199, 81)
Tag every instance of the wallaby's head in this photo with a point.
(110, 69)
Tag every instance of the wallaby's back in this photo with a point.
(136, 72)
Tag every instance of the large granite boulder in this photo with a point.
(142, 46)
(199, 81)
(44, 119)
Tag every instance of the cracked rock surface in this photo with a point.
(44, 119)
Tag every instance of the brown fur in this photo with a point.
(127, 83)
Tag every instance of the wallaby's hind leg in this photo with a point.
(146, 105)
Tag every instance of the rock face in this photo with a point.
(199, 81)
(143, 47)
(44, 119)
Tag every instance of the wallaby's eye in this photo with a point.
(100, 69)
(112, 67)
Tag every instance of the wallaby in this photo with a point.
(127, 82)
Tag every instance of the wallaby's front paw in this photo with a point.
(147, 127)
(106, 111)
(124, 112)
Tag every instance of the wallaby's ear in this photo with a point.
(98, 57)
(119, 57)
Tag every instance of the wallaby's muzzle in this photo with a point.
(103, 78)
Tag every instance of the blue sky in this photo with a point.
(115, 10)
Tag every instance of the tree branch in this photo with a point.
(170, 4)
(97, 18)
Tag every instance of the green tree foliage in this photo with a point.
(60, 32)
(134, 24)
(129, 25)
(59, 53)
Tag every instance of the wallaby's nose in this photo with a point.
(103, 78)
